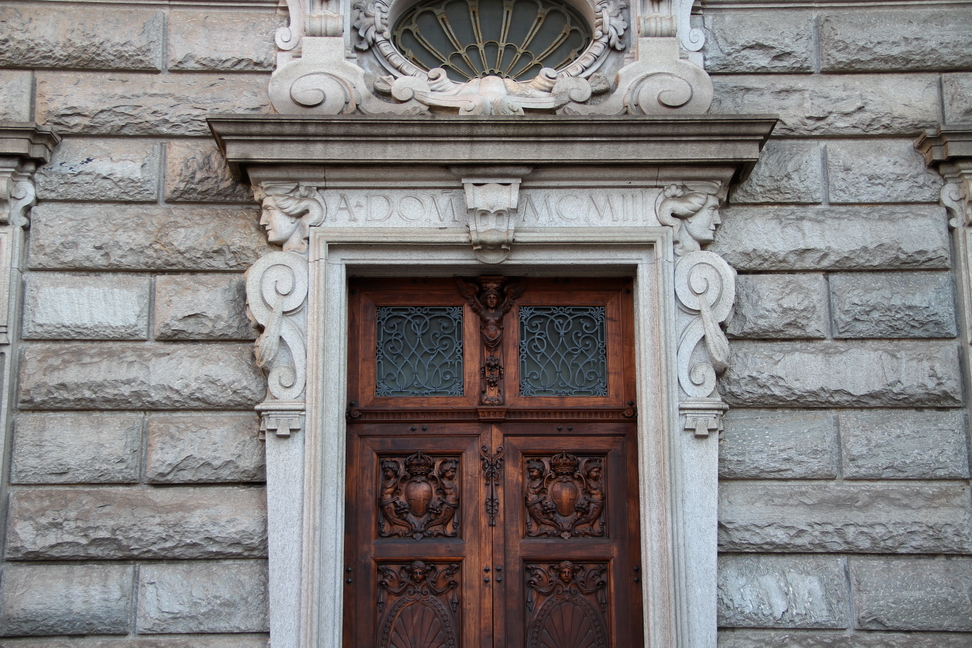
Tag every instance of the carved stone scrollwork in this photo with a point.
(418, 605)
(567, 605)
(418, 497)
(564, 496)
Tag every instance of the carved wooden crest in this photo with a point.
(418, 496)
(564, 496)
(567, 604)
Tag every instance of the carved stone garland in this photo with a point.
(656, 79)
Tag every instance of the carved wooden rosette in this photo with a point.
(418, 496)
(564, 496)
(567, 605)
(418, 605)
(491, 298)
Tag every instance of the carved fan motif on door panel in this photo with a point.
(418, 605)
(418, 496)
(564, 496)
(567, 604)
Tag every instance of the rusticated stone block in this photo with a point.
(201, 307)
(919, 38)
(787, 172)
(843, 374)
(139, 376)
(76, 37)
(127, 523)
(880, 171)
(893, 305)
(779, 444)
(16, 95)
(66, 599)
(957, 89)
(782, 591)
(86, 306)
(128, 237)
(902, 444)
(144, 104)
(900, 104)
(158, 641)
(823, 639)
(759, 41)
(224, 596)
(76, 448)
(196, 171)
(865, 517)
(780, 307)
(199, 448)
(116, 170)
(238, 41)
(912, 593)
(833, 238)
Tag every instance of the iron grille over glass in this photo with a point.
(562, 351)
(513, 39)
(419, 351)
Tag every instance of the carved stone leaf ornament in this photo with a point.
(313, 75)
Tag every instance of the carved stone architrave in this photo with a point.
(949, 150)
(337, 57)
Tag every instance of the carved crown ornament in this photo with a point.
(490, 57)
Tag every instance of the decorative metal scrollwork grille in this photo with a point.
(513, 39)
(419, 351)
(563, 351)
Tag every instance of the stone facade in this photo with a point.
(134, 511)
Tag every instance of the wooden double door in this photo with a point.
(492, 497)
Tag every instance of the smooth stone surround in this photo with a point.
(66, 599)
(883, 444)
(125, 523)
(873, 104)
(77, 448)
(779, 444)
(846, 374)
(893, 305)
(201, 307)
(780, 307)
(86, 306)
(203, 597)
(104, 103)
(866, 517)
(73, 36)
(204, 448)
(240, 42)
(139, 376)
(128, 237)
(195, 171)
(759, 239)
(109, 170)
(912, 593)
(783, 591)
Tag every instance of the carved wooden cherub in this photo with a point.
(491, 300)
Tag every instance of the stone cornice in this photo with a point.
(442, 141)
(946, 144)
(27, 140)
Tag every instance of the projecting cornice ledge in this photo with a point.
(546, 140)
(27, 140)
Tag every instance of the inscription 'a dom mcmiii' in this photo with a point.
(537, 207)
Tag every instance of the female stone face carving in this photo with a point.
(701, 226)
(278, 225)
(287, 220)
(694, 216)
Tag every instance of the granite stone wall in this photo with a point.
(135, 512)
(845, 514)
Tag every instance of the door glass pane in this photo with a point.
(419, 351)
(562, 351)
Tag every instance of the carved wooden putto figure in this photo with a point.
(421, 500)
(564, 497)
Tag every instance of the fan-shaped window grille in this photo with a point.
(513, 39)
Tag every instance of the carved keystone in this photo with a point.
(491, 202)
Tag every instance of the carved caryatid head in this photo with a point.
(287, 220)
(694, 216)
(565, 571)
